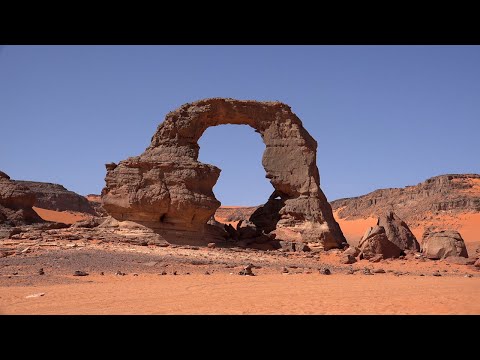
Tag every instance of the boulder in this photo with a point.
(167, 188)
(441, 244)
(348, 259)
(375, 242)
(398, 232)
(353, 251)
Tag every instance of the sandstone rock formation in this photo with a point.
(375, 242)
(398, 232)
(389, 238)
(453, 193)
(442, 244)
(56, 197)
(168, 189)
(16, 203)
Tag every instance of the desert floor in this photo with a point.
(233, 294)
(196, 280)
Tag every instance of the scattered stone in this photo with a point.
(421, 275)
(207, 273)
(459, 260)
(163, 273)
(379, 271)
(15, 273)
(468, 275)
(376, 258)
(353, 251)
(102, 273)
(174, 273)
(437, 273)
(284, 270)
(477, 263)
(350, 272)
(41, 272)
(247, 270)
(34, 295)
(150, 263)
(135, 274)
(299, 246)
(80, 273)
(119, 273)
(367, 271)
(324, 271)
(348, 259)
(212, 245)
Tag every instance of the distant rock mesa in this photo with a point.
(168, 189)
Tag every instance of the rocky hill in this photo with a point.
(56, 197)
(16, 203)
(450, 194)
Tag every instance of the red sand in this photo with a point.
(65, 217)
(233, 294)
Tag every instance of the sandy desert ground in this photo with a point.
(233, 294)
(131, 279)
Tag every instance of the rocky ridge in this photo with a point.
(452, 193)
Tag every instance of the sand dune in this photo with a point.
(65, 217)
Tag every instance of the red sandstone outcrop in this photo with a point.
(442, 244)
(454, 193)
(56, 197)
(167, 188)
(16, 203)
(398, 232)
(375, 242)
(389, 238)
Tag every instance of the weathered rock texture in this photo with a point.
(375, 242)
(454, 193)
(168, 188)
(389, 238)
(56, 197)
(16, 203)
(442, 244)
(398, 232)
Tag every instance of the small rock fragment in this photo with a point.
(34, 295)
(325, 271)
(80, 273)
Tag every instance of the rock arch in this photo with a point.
(167, 188)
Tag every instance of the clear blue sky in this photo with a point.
(383, 116)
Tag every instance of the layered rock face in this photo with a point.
(168, 188)
(56, 197)
(16, 203)
(442, 244)
(454, 193)
(389, 238)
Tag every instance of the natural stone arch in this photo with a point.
(167, 188)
